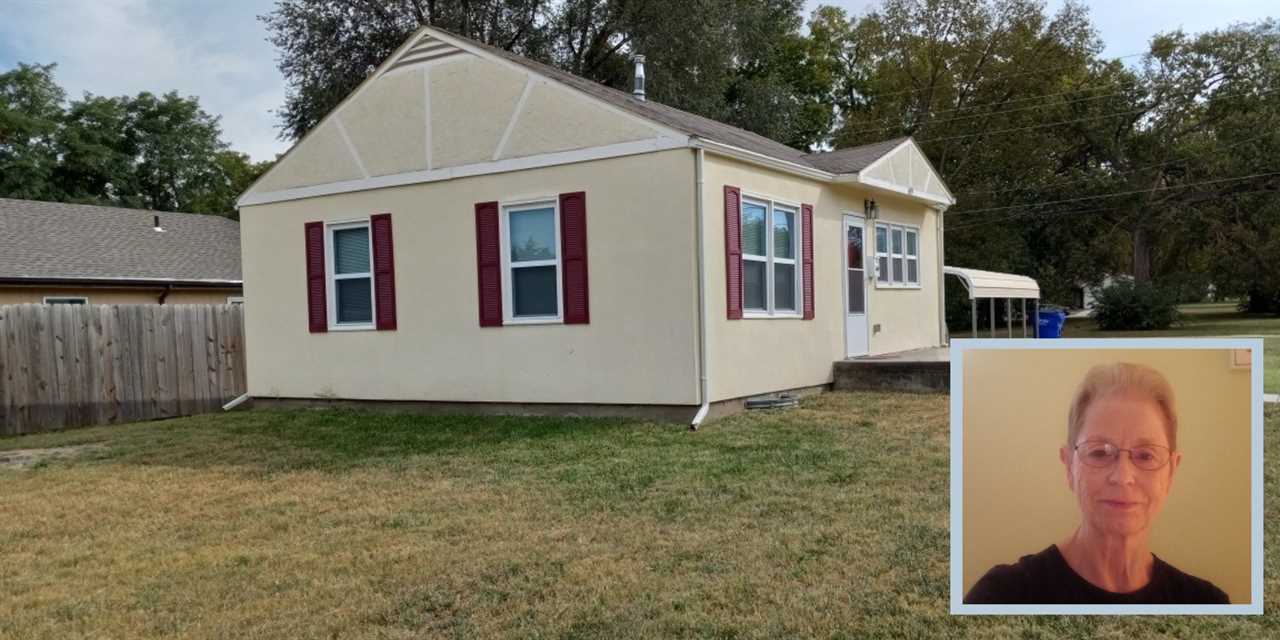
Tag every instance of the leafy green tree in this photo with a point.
(30, 109)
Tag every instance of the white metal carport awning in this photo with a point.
(992, 285)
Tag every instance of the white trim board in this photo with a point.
(479, 169)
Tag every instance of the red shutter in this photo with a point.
(384, 271)
(733, 250)
(573, 257)
(489, 264)
(317, 310)
(806, 255)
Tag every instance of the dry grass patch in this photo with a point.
(826, 521)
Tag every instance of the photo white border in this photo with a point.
(1257, 560)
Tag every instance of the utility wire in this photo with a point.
(1010, 216)
(1118, 172)
(931, 122)
(1117, 194)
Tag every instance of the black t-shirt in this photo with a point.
(1046, 578)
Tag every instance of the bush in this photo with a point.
(1136, 306)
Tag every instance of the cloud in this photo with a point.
(214, 50)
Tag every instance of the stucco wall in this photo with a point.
(759, 355)
(640, 346)
(25, 295)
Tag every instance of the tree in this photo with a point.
(740, 61)
(30, 107)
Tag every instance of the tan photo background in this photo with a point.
(1016, 498)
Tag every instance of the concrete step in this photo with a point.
(892, 375)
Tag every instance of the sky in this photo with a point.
(216, 50)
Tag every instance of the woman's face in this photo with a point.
(1120, 499)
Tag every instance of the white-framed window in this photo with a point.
(770, 258)
(531, 285)
(349, 271)
(235, 299)
(66, 300)
(897, 255)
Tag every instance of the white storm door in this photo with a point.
(855, 286)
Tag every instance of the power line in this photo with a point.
(1123, 172)
(1002, 76)
(987, 222)
(1100, 117)
(1118, 194)
(997, 112)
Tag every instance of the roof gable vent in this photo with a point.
(426, 49)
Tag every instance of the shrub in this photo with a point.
(1140, 306)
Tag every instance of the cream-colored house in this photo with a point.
(471, 229)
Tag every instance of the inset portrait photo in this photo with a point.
(1106, 476)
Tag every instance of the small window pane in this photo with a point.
(911, 243)
(897, 269)
(784, 227)
(351, 250)
(533, 291)
(883, 271)
(784, 287)
(355, 300)
(753, 285)
(533, 235)
(897, 240)
(913, 275)
(882, 239)
(753, 230)
(854, 243)
(857, 299)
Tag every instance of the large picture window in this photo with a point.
(531, 262)
(897, 255)
(349, 262)
(770, 246)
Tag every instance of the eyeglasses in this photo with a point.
(1147, 457)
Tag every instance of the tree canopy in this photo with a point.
(145, 151)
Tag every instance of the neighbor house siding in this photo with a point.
(638, 348)
(759, 355)
(25, 295)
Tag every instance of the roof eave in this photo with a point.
(213, 283)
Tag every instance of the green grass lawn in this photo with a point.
(1205, 320)
(826, 521)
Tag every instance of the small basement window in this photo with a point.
(66, 300)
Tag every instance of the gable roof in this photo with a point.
(41, 241)
(430, 45)
(849, 160)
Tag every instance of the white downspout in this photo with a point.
(942, 283)
(704, 385)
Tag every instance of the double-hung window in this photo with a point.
(531, 263)
(897, 255)
(770, 246)
(349, 263)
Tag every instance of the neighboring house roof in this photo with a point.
(47, 241)
(850, 160)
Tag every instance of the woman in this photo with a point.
(1120, 458)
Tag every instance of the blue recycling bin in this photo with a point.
(1050, 321)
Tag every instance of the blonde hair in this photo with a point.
(1106, 379)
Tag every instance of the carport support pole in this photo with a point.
(1036, 323)
(993, 317)
(1024, 317)
(973, 303)
(1008, 315)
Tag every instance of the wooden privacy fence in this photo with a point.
(76, 365)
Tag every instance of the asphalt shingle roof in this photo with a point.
(849, 160)
(74, 241)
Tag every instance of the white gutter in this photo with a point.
(704, 378)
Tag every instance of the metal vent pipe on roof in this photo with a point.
(155, 219)
(639, 90)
